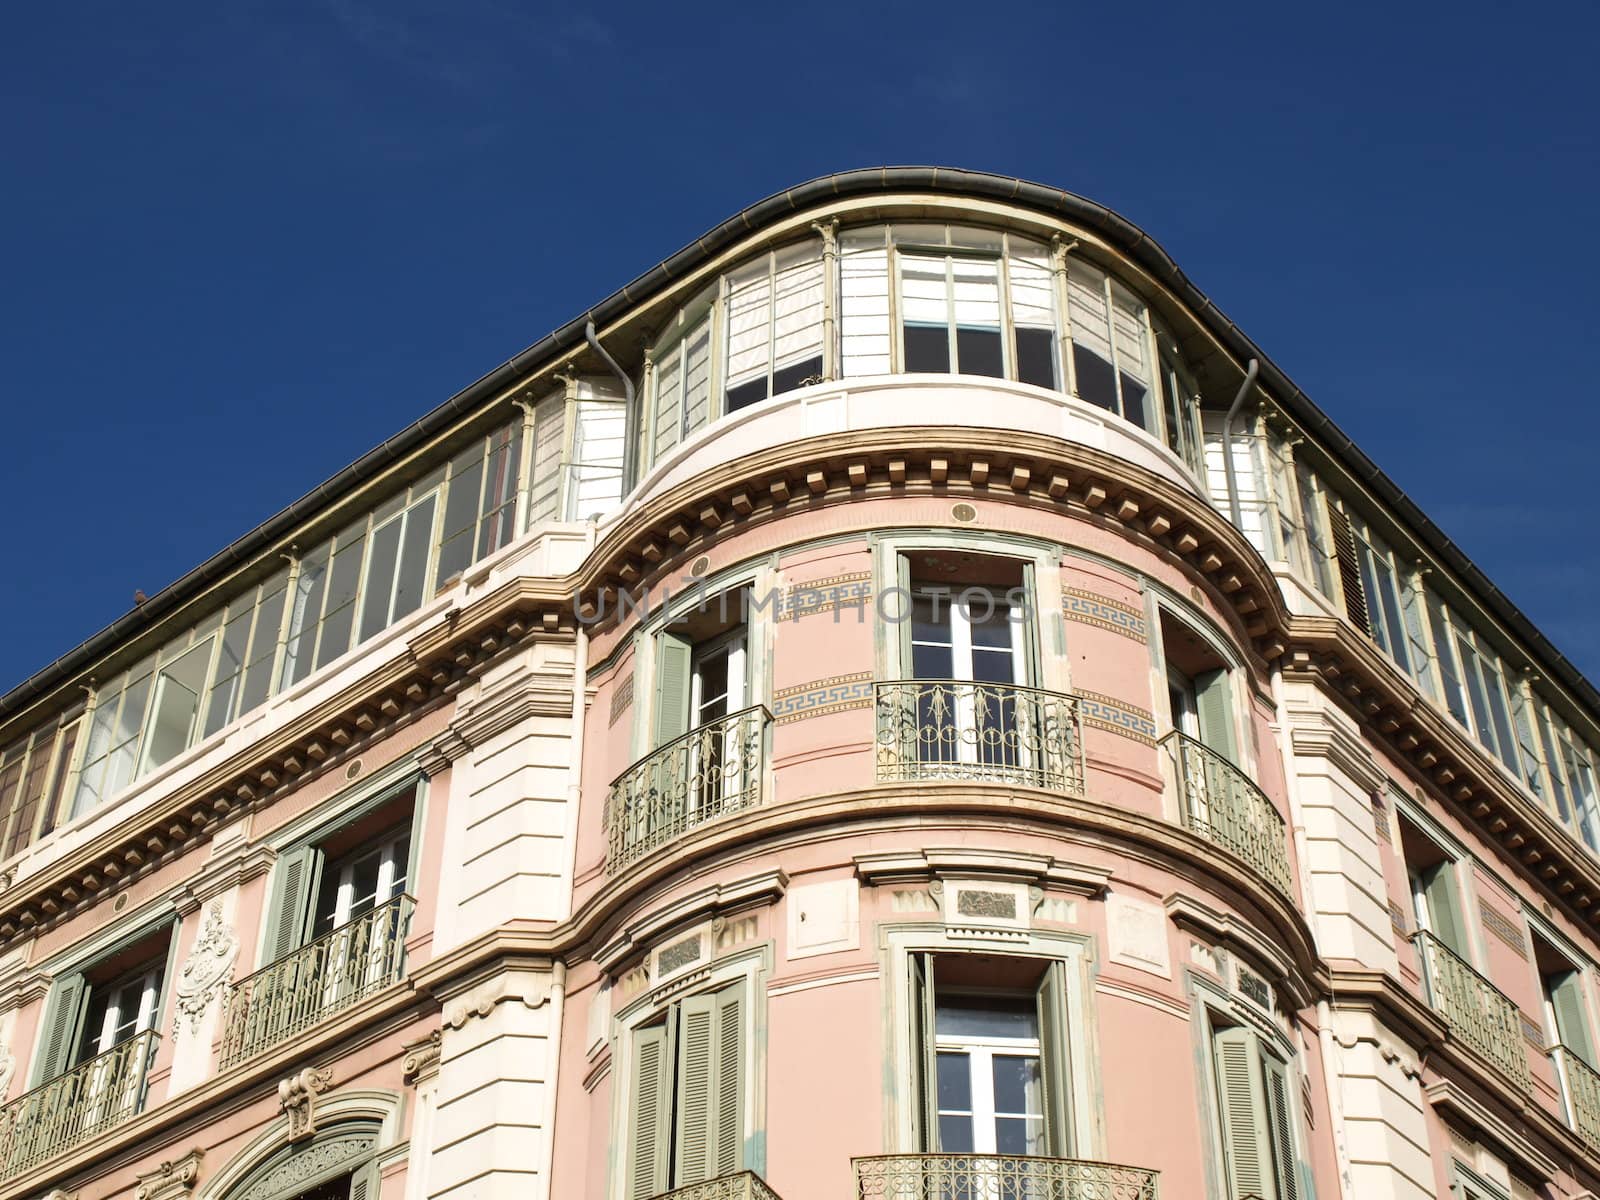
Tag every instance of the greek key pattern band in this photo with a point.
(1117, 716)
(821, 696)
(1089, 608)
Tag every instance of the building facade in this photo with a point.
(903, 700)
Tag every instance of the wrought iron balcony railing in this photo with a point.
(1580, 1088)
(1478, 1013)
(742, 1185)
(990, 732)
(1223, 805)
(998, 1177)
(317, 980)
(90, 1098)
(709, 772)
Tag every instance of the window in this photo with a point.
(1251, 484)
(1435, 890)
(33, 779)
(950, 314)
(1565, 1007)
(1256, 1115)
(1321, 549)
(702, 668)
(990, 1035)
(1571, 771)
(1474, 682)
(1180, 404)
(681, 403)
(966, 641)
(774, 315)
(249, 650)
(685, 1115)
(335, 925)
(1199, 688)
(1110, 344)
(345, 874)
(111, 1003)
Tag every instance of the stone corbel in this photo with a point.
(173, 1180)
(523, 987)
(297, 1097)
(421, 1061)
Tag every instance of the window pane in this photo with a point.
(1036, 357)
(461, 510)
(986, 1016)
(172, 718)
(955, 1083)
(343, 582)
(380, 579)
(927, 349)
(304, 615)
(978, 352)
(1133, 405)
(1016, 1085)
(230, 666)
(1097, 382)
(413, 558)
(955, 1134)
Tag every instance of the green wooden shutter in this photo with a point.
(1215, 712)
(924, 1061)
(1052, 1001)
(1444, 907)
(294, 882)
(1280, 1128)
(364, 1181)
(59, 1028)
(672, 688)
(729, 1112)
(900, 633)
(1244, 1120)
(1566, 997)
(710, 1134)
(650, 1112)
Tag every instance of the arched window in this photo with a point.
(340, 1163)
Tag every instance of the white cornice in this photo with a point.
(1040, 870)
(718, 900)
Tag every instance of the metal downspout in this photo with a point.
(632, 429)
(1227, 442)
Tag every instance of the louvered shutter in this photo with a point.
(650, 1112)
(797, 314)
(294, 882)
(1280, 1128)
(924, 1061)
(864, 304)
(1444, 907)
(1572, 1027)
(1052, 1004)
(728, 1113)
(1344, 546)
(697, 376)
(668, 423)
(1215, 710)
(60, 1027)
(364, 1183)
(672, 688)
(1244, 1119)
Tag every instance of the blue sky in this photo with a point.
(242, 242)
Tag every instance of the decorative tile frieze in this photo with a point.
(1380, 816)
(1532, 1032)
(830, 595)
(1117, 716)
(821, 696)
(1499, 925)
(1091, 608)
(971, 902)
(678, 955)
(622, 699)
(1397, 919)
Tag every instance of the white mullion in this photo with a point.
(952, 350)
(1008, 327)
(961, 668)
(1152, 347)
(983, 1133)
(772, 322)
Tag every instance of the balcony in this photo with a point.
(1477, 1012)
(984, 732)
(708, 773)
(998, 1177)
(319, 979)
(744, 1185)
(91, 1098)
(1580, 1086)
(1224, 806)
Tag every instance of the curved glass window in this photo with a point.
(916, 298)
